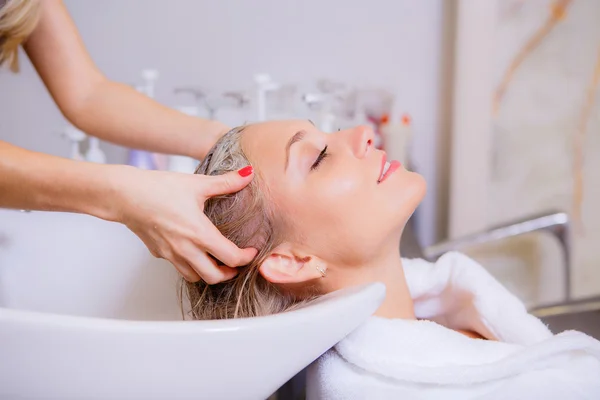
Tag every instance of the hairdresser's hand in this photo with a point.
(165, 210)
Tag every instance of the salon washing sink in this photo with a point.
(87, 312)
(587, 322)
(581, 315)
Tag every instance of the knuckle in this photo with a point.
(176, 250)
(223, 259)
(242, 259)
(189, 275)
(167, 255)
(211, 279)
(198, 234)
(235, 260)
(226, 183)
(152, 250)
(159, 253)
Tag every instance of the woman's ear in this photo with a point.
(283, 266)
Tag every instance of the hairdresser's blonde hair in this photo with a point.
(18, 18)
(247, 220)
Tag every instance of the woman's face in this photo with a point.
(328, 189)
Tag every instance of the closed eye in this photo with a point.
(322, 155)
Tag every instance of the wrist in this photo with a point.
(113, 192)
(211, 134)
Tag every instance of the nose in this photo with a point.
(363, 138)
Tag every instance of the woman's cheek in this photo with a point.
(342, 187)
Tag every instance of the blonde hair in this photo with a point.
(18, 18)
(247, 220)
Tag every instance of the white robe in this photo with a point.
(423, 359)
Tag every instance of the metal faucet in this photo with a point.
(556, 223)
(241, 99)
(196, 92)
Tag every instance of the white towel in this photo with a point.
(402, 359)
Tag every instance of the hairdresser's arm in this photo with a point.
(164, 209)
(111, 111)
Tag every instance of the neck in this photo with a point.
(388, 270)
(397, 303)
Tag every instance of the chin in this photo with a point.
(421, 185)
(411, 192)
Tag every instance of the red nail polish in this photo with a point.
(244, 172)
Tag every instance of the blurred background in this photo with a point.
(495, 103)
(217, 47)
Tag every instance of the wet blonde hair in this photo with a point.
(248, 220)
(18, 18)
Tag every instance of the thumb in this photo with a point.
(230, 182)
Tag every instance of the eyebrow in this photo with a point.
(298, 136)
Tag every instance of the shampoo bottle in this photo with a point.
(141, 158)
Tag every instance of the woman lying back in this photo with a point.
(325, 212)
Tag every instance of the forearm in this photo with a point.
(111, 111)
(117, 113)
(36, 181)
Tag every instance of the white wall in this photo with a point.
(397, 44)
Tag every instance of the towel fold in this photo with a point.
(427, 358)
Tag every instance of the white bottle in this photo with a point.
(149, 76)
(397, 139)
(94, 153)
(75, 137)
(325, 119)
(141, 158)
(183, 164)
(264, 84)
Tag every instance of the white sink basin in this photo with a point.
(79, 265)
(87, 312)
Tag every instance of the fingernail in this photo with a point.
(244, 172)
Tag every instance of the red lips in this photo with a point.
(394, 165)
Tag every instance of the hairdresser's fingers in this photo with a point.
(230, 182)
(208, 269)
(151, 245)
(226, 272)
(188, 273)
(225, 250)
